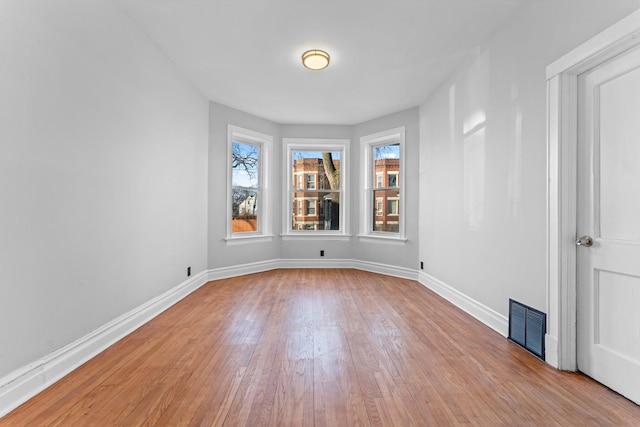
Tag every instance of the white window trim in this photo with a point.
(367, 144)
(315, 144)
(236, 133)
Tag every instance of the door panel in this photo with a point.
(619, 104)
(618, 320)
(608, 286)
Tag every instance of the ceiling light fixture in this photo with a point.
(315, 59)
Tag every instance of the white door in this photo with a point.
(608, 284)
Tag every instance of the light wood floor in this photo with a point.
(323, 348)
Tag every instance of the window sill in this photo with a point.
(373, 238)
(301, 236)
(238, 240)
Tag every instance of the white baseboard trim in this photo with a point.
(241, 270)
(486, 315)
(389, 270)
(257, 267)
(314, 263)
(24, 383)
(373, 267)
(551, 350)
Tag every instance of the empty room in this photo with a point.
(306, 213)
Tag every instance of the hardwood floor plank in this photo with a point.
(320, 347)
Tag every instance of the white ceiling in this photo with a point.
(386, 55)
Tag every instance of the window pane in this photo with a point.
(245, 182)
(321, 211)
(245, 160)
(321, 170)
(386, 160)
(386, 202)
(386, 220)
(245, 211)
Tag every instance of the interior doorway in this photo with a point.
(608, 223)
(562, 192)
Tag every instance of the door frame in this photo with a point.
(562, 130)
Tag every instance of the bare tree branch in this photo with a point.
(247, 159)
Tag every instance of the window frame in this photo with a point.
(265, 143)
(370, 183)
(291, 145)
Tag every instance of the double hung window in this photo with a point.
(316, 174)
(383, 214)
(247, 189)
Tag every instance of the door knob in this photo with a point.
(585, 241)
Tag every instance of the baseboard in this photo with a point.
(257, 267)
(486, 315)
(315, 263)
(24, 383)
(389, 270)
(551, 350)
(241, 270)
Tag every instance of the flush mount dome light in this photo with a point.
(315, 59)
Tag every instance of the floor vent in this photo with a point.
(527, 327)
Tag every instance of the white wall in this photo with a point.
(103, 160)
(483, 155)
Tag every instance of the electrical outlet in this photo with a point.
(322, 252)
(188, 271)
